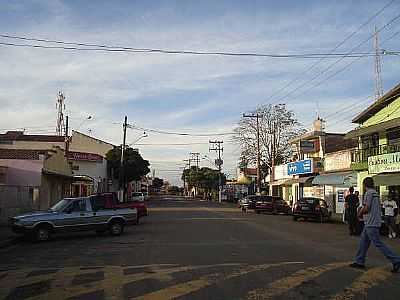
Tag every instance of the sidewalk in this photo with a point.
(7, 237)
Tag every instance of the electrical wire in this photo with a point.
(335, 48)
(105, 48)
(179, 133)
(335, 63)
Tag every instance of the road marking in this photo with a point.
(185, 288)
(283, 285)
(367, 280)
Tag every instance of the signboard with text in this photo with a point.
(81, 156)
(307, 146)
(384, 163)
(300, 167)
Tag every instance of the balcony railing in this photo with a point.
(361, 155)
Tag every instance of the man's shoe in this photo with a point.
(396, 268)
(357, 266)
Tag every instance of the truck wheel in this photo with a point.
(116, 227)
(42, 233)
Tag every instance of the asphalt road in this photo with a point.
(189, 249)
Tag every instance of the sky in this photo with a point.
(189, 93)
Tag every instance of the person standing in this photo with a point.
(351, 204)
(371, 211)
(390, 208)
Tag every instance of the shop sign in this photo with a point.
(307, 146)
(81, 156)
(300, 167)
(384, 163)
(337, 161)
(281, 172)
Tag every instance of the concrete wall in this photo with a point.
(92, 169)
(15, 200)
(83, 143)
(31, 145)
(23, 172)
(57, 163)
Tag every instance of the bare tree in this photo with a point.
(277, 125)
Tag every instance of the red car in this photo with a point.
(111, 201)
(271, 204)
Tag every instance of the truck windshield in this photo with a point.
(60, 205)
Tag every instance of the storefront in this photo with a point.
(302, 173)
(385, 170)
(336, 179)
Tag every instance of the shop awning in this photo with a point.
(303, 180)
(281, 182)
(387, 179)
(336, 179)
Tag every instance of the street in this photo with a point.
(190, 249)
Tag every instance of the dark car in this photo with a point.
(311, 208)
(272, 204)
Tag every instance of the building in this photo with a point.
(87, 156)
(299, 177)
(378, 151)
(32, 180)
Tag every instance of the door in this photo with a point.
(75, 216)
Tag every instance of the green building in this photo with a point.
(378, 152)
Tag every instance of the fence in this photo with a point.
(16, 200)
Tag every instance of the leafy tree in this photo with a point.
(278, 126)
(205, 178)
(157, 182)
(134, 165)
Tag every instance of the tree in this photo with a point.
(157, 183)
(134, 165)
(278, 126)
(204, 178)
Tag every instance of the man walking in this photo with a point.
(371, 211)
(351, 203)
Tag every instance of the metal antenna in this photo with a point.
(60, 114)
(378, 67)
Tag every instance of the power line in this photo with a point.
(105, 48)
(179, 133)
(336, 47)
(334, 63)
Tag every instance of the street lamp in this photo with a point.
(144, 135)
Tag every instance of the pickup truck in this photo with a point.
(111, 200)
(75, 214)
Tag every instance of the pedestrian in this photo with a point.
(351, 203)
(371, 212)
(390, 211)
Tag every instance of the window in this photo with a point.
(393, 136)
(78, 205)
(98, 203)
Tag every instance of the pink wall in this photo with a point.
(23, 172)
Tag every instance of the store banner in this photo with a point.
(300, 167)
(384, 163)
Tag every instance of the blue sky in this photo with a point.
(184, 92)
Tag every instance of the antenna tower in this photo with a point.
(60, 114)
(378, 67)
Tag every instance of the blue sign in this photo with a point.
(300, 167)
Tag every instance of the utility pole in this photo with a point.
(66, 136)
(257, 117)
(217, 146)
(194, 156)
(122, 167)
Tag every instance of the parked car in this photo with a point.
(112, 201)
(75, 214)
(311, 208)
(272, 204)
(137, 196)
